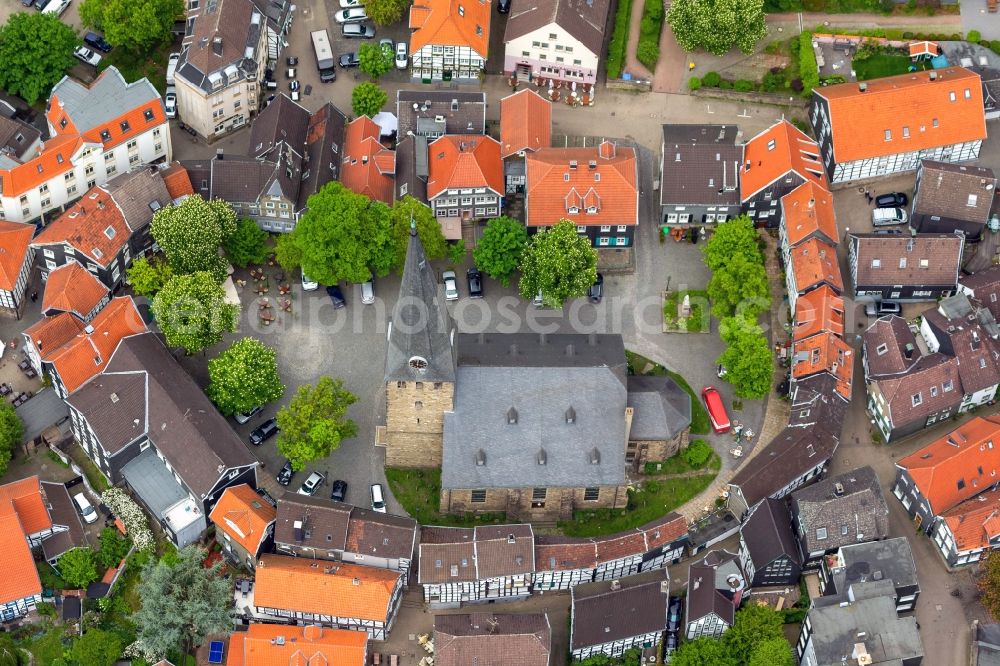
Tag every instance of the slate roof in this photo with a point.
(709, 589)
(17, 137)
(44, 410)
(584, 20)
(323, 523)
(381, 534)
(768, 534)
(969, 334)
(987, 645)
(700, 164)
(525, 121)
(895, 334)
(559, 553)
(616, 610)
(953, 192)
(780, 149)
(488, 639)
(985, 288)
(923, 259)
(324, 139)
(662, 408)
(222, 34)
(463, 112)
(888, 639)
(411, 168)
(458, 554)
(857, 504)
(242, 179)
(282, 121)
(139, 194)
(891, 560)
(63, 513)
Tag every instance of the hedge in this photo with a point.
(808, 68)
(648, 49)
(694, 83)
(619, 39)
(973, 36)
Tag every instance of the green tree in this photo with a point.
(247, 244)
(717, 25)
(560, 263)
(182, 602)
(147, 276)
(11, 432)
(499, 251)
(113, 548)
(9, 652)
(315, 422)
(367, 99)
(287, 251)
(373, 61)
(192, 233)
(772, 652)
(428, 228)
(135, 25)
(36, 49)
(989, 583)
(193, 313)
(244, 376)
(740, 285)
(385, 12)
(753, 623)
(736, 236)
(96, 648)
(456, 251)
(78, 567)
(748, 359)
(702, 652)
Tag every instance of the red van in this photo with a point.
(716, 410)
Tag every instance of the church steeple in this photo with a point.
(421, 329)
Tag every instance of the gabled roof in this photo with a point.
(367, 166)
(525, 121)
(52, 158)
(824, 352)
(957, 466)
(487, 639)
(324, 588)
(616, 610)
(17, 137)
(558, 553)
(14, 241)
(931, 385)
(244, 516)
(458, 161)
(984, 286)
(323, 141)
(142, 192)
(224, 37)
(602, 188)
(455, 554)
(818, 311)
(72, 288)
(920, 110)
(768, 534)
(700, 164)
(923, 48)
(51, 333)
(890, 346)
(662, 409)
(955, 193)
(807, 211)
(63, 513)
(24, 497)
(969, 333)
(281, 122)
(814, 263)
(284, 645)
(584, 20)
(780, 149)
(451, 23)
(921, 259)
(975, 523)
(715, 585)
(22, 513)
(311, 522)
(94, 226)
(850, 506)
(177, 181)
(375, 534)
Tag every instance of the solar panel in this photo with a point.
(215, 652)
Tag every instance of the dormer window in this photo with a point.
(105, 135)
(570, 415)
(591, 210)
(917, 399)
(62, 123)
(148, 115)
(573, 210)
(461, 10)
(511, 416)
(124, 125)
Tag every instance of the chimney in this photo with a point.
(838, 489)
(862, 86)
(932, 75)
(219, 154)
(629, 413)
(908, 350)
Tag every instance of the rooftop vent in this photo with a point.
(511, 416)
(616, 585)
(838, 489)
(862, 86)
(480, 458)
(541, 457)
(595, 456)
(571, 415)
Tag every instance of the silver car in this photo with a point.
(368, 291)
(351, 15)
(310, 485)
(450, 286)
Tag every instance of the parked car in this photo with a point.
(296, 95)
(351, 15)
(243, 417)
(170, 103)
(56, 7)
(349, 60)
(888, 217)
(264, 432)
(284, 477)
(596, 291)
(538, 300)
(85, 508)
(402, 58)
(172, 67)
(891, 200)
(450, 286)
(337, 296)
(88, 56)
(674, 614)
(27, 3)
(475, 281)
(338, 492)
(307, 284)
(378, 499)
(882, 308)
(368, 291)
(293, 86)
(290, 73)
(292, 61)
(716, 409)
(96, 41)
(671, 644)
(311, 484)
(350, 3)
(358, 30)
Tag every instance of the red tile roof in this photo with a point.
(824, 352)
(525, 122)
(923, 48)
(367, 167)
(808, 211)
(818, 311)
(780, 149)
(975, 522)
(54, 159)
(813, 263)
(94, 225)
(918, 111)
(14, 241)
(957, 466)
(24, 496)
(559, 554)
(244, 516)
(72, 288)
(464, 161)
(302, 646)
(451, 23)
(605, 179)
(177, 181)
(22, 513)
(50, 333)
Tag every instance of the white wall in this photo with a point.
(534, 45)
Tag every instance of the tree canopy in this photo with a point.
(428, 228)
(733, 237)
(193, 313)
(11, 432)
(373, 60)
(740, 286)
(989, 583)
(560, 263)
(717, 25)
(747, 358)
(78, 567)
(97, 648)
(192, 233)
(36, 49)
(147, 276)
(244, 376)
(772, 652)
(755, 639)
(499, 251)
(246, 245)
(135, 25)
(702, 652)
(315, 422)
(385, 12)
(367, 99)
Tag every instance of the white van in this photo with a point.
(85, 508)
(171, 67)
(56, 7)
(378, 501)
(887, 217)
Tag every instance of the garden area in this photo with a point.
(694, 320)
(648, 49)
(640, 365)
(615, 61)
(874, 60)
(419, 493)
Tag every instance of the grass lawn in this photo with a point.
(94, 476)
(49, 578)
(419, 491)
(677, 465)
(699, 417)
(878, 66)
(48, 647)
(152, 65)
(697, 321)
(654, 500)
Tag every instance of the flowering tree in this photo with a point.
(136, 526)
(560, 263)
(193, 313)
(717, 25)
(315, 422)
(191, 234)
(244, 376)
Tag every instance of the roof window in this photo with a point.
(906, 132)
(952, 96)
(876, 263)
(770, 144)
(917, 399)
(820, 533)
(461, 12)
(110, 232)
(888, 135)
(971, 203)
(882, 349)
(105, 135)
(148, 115)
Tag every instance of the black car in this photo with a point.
(337, 296)
(27, 3)
(292, 61)
(596, 290)
(891, 200)
(339, 491)
(475, 280)
(349, 60)
(674, 615)
(503, 6)
(671, 643)
(264, 432)
(93, 40)
(285, 475)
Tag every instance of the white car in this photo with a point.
(402, 60)
(351, 15)
(172, 67)
(311, 484)
(450, 286)
(88, 56)
(307, 284)
(346, 4)
(170, 104)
